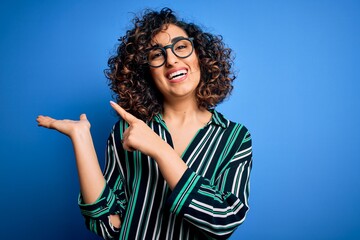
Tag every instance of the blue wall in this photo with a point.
(297, 91)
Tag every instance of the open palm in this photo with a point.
(65, 126)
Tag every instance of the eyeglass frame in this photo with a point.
(171, 46)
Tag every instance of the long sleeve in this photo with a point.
(209, 201)
(216, 206)
(113, 199)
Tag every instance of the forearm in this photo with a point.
(170, 164)
(91, 178)
(217, 208)
(92, 181)
(140, 137)
(90, 175)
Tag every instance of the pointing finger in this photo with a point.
(128, 117)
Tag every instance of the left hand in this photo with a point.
(138, 135)
(65, 126)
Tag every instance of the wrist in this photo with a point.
(79, 133)
(162, 150)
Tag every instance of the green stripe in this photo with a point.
(229, 143)
(136, 192)
(202, 164)
(199, 147)
(212, 196)
(211, 150)
(223, 184)
(182, 155)
(129, 214)
(181, 193)
(92, 225)
(215, 212)
(187, 193)
(236, 156)
(206, 224)
(150, 197)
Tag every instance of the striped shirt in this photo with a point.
(209, 202)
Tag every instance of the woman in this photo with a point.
(175, 167)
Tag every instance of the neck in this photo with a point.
(184, 112)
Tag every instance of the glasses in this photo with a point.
(182, 48)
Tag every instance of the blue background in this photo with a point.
(297, 91)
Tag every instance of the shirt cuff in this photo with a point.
(104, 205)
(184, 192)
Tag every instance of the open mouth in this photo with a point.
(177, 74)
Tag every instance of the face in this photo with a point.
(178, 78)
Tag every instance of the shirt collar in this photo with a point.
(158, 118)
(216, 119)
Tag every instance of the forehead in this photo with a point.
(169, 32)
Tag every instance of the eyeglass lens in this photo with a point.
(182, 48)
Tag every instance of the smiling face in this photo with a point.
(178, 78)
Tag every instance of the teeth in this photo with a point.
(177, 73)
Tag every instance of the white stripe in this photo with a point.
(119, 165)
(240, 157)
(160, 216)
(236, 159)
(104, 230)
(170, 227)
(247, 184)
(216, 209)
(217, 215)
(111, 225)
(201, 143)
(145, 201)
(214, 148)
(243, 151)
(117, 156)
(238, 178)
(214, 228)
(109, 169)
(191, 183)
(153, 195)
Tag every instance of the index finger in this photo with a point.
(128, 117)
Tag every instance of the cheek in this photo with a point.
(195, 67)
(195, 63)
(153, 72)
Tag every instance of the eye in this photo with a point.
(182, 45)
(156, 54)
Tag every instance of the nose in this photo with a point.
(171, 58)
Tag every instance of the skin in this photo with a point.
(178, 90)
(181, 114)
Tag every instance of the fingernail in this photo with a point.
(112, 103)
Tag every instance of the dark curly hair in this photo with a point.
(129, 74)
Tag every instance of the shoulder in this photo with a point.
(236, 132)
(242, 141)
(236, 140)
(219, 119)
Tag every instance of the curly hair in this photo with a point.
(129, 74)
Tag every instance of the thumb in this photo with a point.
(83, 116)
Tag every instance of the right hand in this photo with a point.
(67, 127)
(138, 136)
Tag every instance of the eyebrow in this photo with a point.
(172, 41)
(176, 38)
